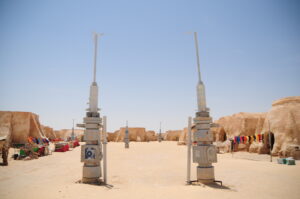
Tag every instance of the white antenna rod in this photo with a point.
(197, 54)
(160, 127)
(95, 52)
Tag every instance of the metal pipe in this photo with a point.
(104, 151)
(189, 140)
(197, 54)
(95, 54)
(159, 135)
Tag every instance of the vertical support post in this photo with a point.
(159, 134)
(73, 134)
(126, 137)
(104, 151)
(270, 141)
(189, 146)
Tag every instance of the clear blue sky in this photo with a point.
(249, 54)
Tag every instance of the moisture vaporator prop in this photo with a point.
(159, 138)
(203, 151)
(91, 152)
(126, 137)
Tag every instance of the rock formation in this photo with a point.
(20, 125)
(283, 119)
(49, 132)
(183, 137)
(135, 134)
(172, 135)
(240, 124)
(110, 137)
(151, 136)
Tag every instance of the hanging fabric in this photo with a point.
(259, 137)
(245, 140)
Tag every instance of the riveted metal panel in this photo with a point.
(91, 136)
(204, 154)
(90, 153)
(203, 136)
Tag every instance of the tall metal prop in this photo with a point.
(126, 138)
(73, 133)
(204, 152)
(91, 152)
(159, 134)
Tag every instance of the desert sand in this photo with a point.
(149, 170)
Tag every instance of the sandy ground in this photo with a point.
(149, 170)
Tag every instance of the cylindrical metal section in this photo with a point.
(205, 174)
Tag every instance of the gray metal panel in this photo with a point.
(204, 154)
(92, 120)
(205, 174)
(202, 119)
(212, 154)
(203, 126)
(199, 154)
(91, 131)
(91, 136)
(92, 126)
(91, 172)
(203, 136)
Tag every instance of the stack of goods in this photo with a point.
(27, 151)
(35, 148)
(74, 143)
(56, 140)
(287, 161)
(41, 145)
(61, 147)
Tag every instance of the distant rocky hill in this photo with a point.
(172, 135)
(137, 134)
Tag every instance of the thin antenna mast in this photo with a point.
(197, 54)
(159, 126)
(95, 53)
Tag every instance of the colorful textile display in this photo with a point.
(248, 139)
